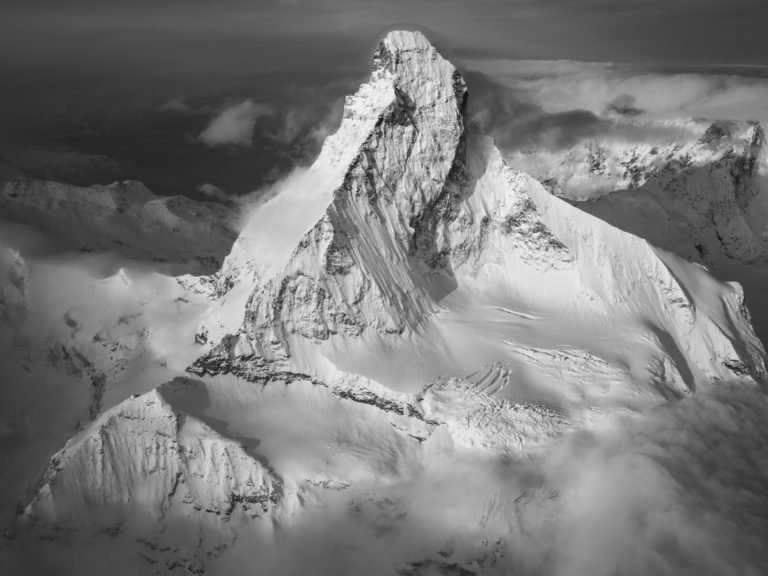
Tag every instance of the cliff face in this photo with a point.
(356, 253)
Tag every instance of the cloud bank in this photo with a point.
(565, 85)
(556, 104)
(678, 490)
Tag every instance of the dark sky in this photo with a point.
(91, 76)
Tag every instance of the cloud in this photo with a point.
(678, 489)
(213, 192)
(302, 130)
(557, 86)
(530, 105)
(233, 126)
(328, 124)
(624, 105)
(178, 104)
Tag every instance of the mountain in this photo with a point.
(700, 190)
(704, 191)
(124, 218)
(73, 343)
(413, 222)
(417, 360)
(149, 457)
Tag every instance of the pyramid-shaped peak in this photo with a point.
(418, 69)
(398, 40)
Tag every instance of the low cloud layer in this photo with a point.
(213, 192)
(234, 125)
(674, 491)
(661, 93)
(555, 104)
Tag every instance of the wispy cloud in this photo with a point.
(213, 192)
(302, 130)
(557, 86)
(178, 104)
(234, 125)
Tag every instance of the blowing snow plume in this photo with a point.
(417, 360)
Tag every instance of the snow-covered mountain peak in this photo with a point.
(419, 72)
(412, 307)
(410, 82)
(363, 201)
(405, 215)
(145, 453)
(699, 191)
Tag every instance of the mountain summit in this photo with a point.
(407, 219)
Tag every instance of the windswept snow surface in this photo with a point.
(416, 360)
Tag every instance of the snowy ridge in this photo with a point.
(478, 416)
(628, 273)
(144, 457)
(701, 195)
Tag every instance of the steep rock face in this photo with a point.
(360, 255)
(406, 213)
(125, 218)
